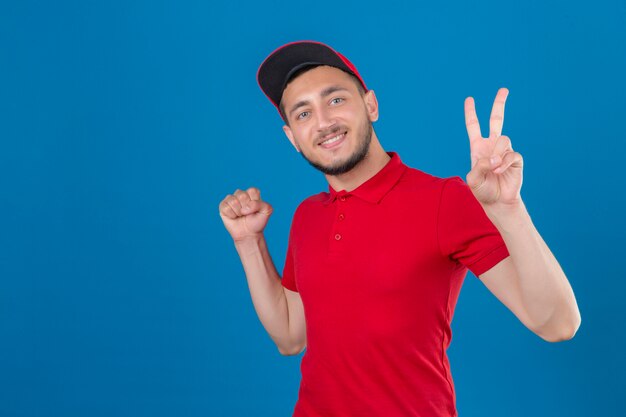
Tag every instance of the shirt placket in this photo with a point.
(339, 231)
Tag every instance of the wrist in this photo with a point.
(249, 240)
(506, 216)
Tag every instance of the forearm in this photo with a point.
(546, 294)
(266, 290)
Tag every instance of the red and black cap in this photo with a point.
(280, 65)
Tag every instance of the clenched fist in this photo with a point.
(244, 213)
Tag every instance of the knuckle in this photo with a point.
(242, 195)
(234, 202)
(254, 193)
(225, 209)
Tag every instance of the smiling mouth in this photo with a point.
(333, 141)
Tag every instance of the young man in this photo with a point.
(374, 266)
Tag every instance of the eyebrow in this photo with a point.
(325, 93)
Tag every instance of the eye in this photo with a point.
(336, 100)
(302, 115)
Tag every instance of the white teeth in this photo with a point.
(331, 140)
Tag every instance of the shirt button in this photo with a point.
(341, 216)
(337, 236)
(342, 198)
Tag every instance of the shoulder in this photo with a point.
(313, 201)
(310, 204)
(415, 179)
(455, 187)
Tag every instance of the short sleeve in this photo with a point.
(464, 231)
(289, 277)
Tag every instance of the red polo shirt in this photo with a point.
(379, 270)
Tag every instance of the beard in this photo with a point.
(364, 137)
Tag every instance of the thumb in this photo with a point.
(476, 177)
(258, 206)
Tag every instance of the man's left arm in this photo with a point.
(530, 282)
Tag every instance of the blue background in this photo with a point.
(123, 124)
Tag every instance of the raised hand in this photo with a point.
(244, 214)
(496, 173)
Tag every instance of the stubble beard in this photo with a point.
(353, 160)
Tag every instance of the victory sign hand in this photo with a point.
(496, 174)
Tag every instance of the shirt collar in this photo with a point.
(375, 188)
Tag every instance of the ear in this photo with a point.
(289, 134)
(371, 103)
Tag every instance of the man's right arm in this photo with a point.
(281, 313)
(280, 310)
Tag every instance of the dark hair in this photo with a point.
(301, 71)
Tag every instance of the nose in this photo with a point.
(325, 119)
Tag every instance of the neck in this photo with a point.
(373, 162)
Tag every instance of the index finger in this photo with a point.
(497, 113)
(471, 120)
